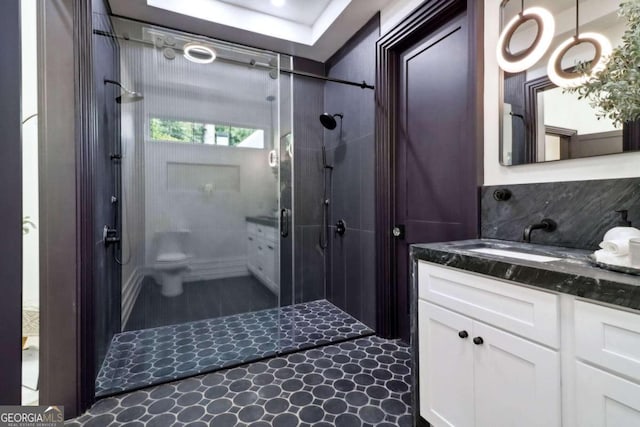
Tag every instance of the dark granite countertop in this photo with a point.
(572, 274)
(267, 221)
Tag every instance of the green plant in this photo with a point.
(615, 91)
(27, 224)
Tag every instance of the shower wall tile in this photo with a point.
(352, 279)
(336, 289)
(313, 269)
(583, 210)
(345, 184)
(354, 287)
(367, 184)
(308, 186)
(352, 151)
(309, 262)
(106, 273)
(309, 284)
(308, 98)
(368, 277)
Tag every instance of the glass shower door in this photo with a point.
(200, 164)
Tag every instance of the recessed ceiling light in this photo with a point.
(199, 53)
(278, 3)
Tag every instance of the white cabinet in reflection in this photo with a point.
(263, 254)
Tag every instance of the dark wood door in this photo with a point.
(436, 175)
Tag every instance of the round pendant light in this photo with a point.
(568, 79)
(198, 53)
(520, 61)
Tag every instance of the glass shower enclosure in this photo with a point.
(204, 159)
(202, 151)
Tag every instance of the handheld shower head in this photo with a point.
(128, 95)
(329, 120)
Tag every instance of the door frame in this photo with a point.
(11, 212)
(427, 18)
(67, 129)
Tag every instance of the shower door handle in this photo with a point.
(284, 222)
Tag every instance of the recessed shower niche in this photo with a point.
(190, 177)
(205, 212)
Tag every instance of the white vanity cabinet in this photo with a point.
(488, 354)
(262, 253)
(607, 347)
(493, 353)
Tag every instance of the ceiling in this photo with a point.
(301, 11)
(313, 29)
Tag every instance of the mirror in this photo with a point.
(541, 122)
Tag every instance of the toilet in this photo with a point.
(172, 261)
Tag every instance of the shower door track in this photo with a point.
(363, 84)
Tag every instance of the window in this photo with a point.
(205, 133)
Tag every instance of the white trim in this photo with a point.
(130, 292)
(218, 268)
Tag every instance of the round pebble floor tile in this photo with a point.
(360, 382)
(142, 358)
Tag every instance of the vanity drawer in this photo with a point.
(252, 228)
(268, 233)
(609, 338)
(526, 312)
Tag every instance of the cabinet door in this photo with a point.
(517, 382)
(445, 366)
(604, 399)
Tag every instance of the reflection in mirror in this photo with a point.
(541, 122)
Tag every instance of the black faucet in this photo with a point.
(546, 224)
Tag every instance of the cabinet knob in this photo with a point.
(478, 340)
(463, 334)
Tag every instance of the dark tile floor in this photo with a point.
(199, 301)
(152, 356)
(361, 382)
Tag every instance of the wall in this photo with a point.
(218, 93)
(613, 166)
(582, 210)
(30, 268)
(351, 152)
(106, 274)
(606, 167)
(395, 12)
(133, 192)
(308, 104)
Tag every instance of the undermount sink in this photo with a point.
(508, 252)
(516, 254)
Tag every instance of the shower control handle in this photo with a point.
(110, 236)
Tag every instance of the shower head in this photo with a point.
(128, 95)
(329, 120)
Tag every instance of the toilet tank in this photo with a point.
(172, 242)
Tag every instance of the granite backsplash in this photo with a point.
(583, 210)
